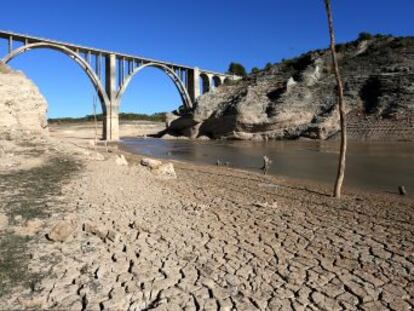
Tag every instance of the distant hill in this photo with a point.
(156, 117)
(296, 98)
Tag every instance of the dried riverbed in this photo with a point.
(212, 239)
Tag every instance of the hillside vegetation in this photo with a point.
(156, 117)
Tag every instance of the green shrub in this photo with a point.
(255, 70)
(364, 36)
(237, 69)
(156, 117)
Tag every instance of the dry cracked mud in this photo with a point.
(216, 239)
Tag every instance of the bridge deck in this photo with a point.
(84, 49)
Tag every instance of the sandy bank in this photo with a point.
(86, 130)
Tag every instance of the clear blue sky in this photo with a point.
(208, 34)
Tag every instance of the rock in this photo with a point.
(121, 161)
(18, 218)
(90, 228)
(4, 221)
(22, 106)
(290, 83)
(168, 136)
(113, 236)
(61, 231)
(151, 163)
(170, 117)
(203, 137)
(165, 171)
(297, 99)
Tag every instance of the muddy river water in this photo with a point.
(373, 166)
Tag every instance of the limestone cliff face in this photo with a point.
(22, 107)
(296, 98)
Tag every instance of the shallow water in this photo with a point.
(372, 166)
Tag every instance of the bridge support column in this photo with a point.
(111, 123)
(193, 86)
(111, 111)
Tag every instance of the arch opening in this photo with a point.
(204, 83)
(174, 77)
(72, 55)
(53, 72)
(151, 99)
(216, 81)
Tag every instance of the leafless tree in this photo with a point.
(342, 154)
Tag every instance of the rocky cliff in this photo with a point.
(296, 98)
(22, 107)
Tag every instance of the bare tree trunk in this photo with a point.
(341, 104)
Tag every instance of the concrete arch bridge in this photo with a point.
(111, 73)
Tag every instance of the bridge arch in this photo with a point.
(73, 55)
(171, 74)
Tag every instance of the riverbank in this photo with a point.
(215, 238)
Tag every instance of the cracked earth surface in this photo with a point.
(220, 239)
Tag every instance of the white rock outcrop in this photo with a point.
(22, 106)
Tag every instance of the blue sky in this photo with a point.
(207, 34)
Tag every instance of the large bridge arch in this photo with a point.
(104, 78)
(170, 73)
(72, 55)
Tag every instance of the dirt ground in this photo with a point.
(81, 231)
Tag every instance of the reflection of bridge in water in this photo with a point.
(110, 74)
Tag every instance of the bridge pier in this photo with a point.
(111, 109)
(193, 83)
(111, 123)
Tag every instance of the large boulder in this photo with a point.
(22, 106)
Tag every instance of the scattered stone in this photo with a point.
(113, 236)
(121, 161)
(203, 137)
(18, 218)
(151, 163)
(90, 228)
(265, 204)
(61, 231)
(165, 171)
